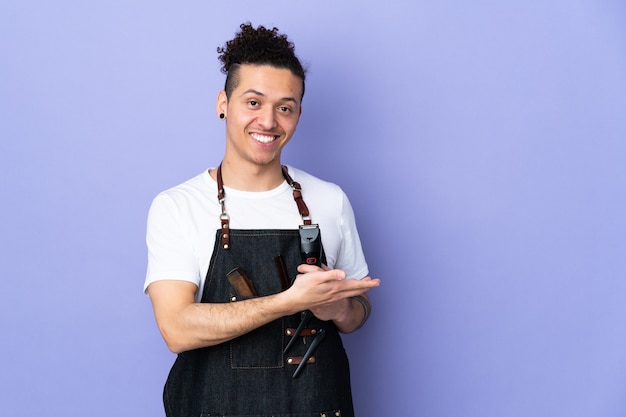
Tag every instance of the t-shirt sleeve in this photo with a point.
(170, 254)
(351, 258)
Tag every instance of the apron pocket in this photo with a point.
(261, 348)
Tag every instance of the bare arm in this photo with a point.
(353, 314)
(349, 313)
(187, 325)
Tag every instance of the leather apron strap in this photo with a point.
(225, 219)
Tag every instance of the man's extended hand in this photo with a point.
(328, 294)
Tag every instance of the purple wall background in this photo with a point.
(483, 146)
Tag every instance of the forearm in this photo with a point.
(356, 314)
(197, 325)
(187, 325)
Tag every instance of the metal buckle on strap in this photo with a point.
(225, 219)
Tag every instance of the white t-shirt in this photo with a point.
(183, 220)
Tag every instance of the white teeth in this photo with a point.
(262, 138)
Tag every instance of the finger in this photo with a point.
(358, 285)
(330, 274)
(304, 268)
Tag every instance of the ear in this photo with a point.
(221, 104)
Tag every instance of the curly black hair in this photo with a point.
(258, 46)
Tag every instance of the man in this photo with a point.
(234, 272)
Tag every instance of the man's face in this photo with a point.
(261, 114)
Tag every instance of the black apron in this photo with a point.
(250, 375)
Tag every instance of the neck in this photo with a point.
(250, 177)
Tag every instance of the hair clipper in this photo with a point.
(311, 244)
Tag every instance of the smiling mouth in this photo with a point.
(263, 138)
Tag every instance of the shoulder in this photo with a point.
(194, 190)
(314, 185)
(201, 184)
(197, 193)
(325, 199)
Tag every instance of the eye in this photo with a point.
(253, 103)
(284, 109)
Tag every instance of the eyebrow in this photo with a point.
(258, 93)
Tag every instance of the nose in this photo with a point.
(266, 118)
